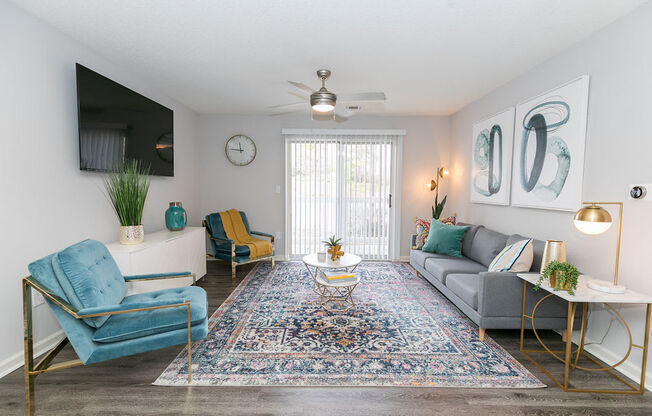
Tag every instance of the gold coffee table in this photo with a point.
(334, 296)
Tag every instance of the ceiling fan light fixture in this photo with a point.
(323, 101)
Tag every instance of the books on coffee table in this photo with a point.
(333, 276)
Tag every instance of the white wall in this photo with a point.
(618, 148)
(252, 188)
(47, 203)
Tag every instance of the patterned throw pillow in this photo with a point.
(515, 257)
(423, 229)
(452, 220)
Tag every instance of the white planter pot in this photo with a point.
(131, 234)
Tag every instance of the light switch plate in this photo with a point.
(278, 189)
(278, 235)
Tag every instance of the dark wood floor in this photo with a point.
(123, 387)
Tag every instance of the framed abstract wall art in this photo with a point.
(550, 134)
(491, 158)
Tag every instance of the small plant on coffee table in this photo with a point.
(334, 245)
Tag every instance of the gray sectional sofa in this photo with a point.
(490, 299)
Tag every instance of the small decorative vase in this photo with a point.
(176, 217)
(554, 250)
(335, 252)
(553, 281)
(131, 234)
(321, 256)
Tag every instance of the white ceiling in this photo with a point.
(234, 56)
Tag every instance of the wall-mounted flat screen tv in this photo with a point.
(117, 124)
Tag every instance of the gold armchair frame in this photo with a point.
(44, 365)
(234, 264)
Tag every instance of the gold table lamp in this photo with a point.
(593, 219)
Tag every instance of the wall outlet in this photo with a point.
(278, 189)
(37, 298)
(278, 235)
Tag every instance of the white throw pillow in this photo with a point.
(515, 257)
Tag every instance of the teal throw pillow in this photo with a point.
(445, 239)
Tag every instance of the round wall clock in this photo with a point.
(240, 150)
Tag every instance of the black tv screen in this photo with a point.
(117, 124)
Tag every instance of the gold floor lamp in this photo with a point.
(593, 219)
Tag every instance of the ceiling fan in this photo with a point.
(323, 101)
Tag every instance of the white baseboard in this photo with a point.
(18, 359)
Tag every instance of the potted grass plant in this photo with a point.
(561, 276)
(127, 188)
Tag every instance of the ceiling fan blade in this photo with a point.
(362, 96)
(302, 86)
(298, 110)
(288, 105)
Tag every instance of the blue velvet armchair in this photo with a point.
(86, 292)
(225, 249)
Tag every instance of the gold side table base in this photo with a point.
(570, 362)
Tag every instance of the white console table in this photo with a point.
(163, 252)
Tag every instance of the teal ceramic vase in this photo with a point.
(175, 217)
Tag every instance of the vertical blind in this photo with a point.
(340, 184)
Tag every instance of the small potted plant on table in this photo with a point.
(334, 245)
(561, 275)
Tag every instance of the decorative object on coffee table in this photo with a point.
(334, 245)
(596, 220)
(561, 276)
(127, 189)
(176, 217)
(554, 250)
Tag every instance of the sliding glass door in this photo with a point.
(342, 183)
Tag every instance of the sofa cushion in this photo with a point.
(537, 250)
(419, 257)
(89, 277)
(422, 230)
(465, 286)
(144, 323)
(445, 239)
(467, 241)
(515, 258)
(442, 267)
(486, 245)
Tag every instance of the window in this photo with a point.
(342, 182)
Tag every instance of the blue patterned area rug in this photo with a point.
(271, 331)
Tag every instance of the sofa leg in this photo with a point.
(273, 263)
(564, 335)
(481, 334)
